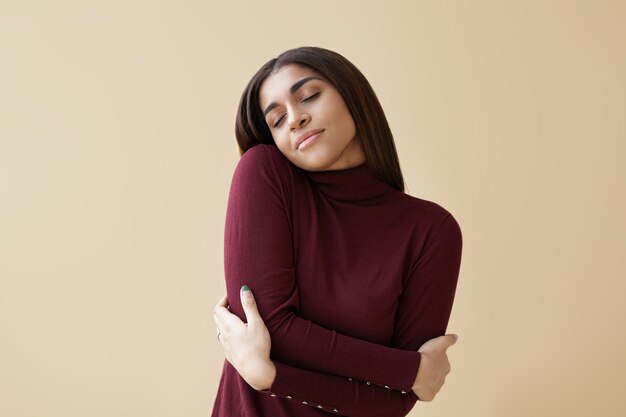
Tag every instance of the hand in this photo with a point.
(246, 345)
(434, 366)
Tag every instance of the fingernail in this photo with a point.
(246, 294)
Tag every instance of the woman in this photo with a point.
(352, 277)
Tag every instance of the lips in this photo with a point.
(307, 135)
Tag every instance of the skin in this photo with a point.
(315, 105)
(337, 147)
(247, 347)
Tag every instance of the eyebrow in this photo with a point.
(292, 90)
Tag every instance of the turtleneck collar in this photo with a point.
(350, 184)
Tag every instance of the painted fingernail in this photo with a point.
(246, 294)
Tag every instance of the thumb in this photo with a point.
(452, 338)
(249, 305)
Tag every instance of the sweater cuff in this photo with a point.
(411, 368)
(307, 387)
(289, 379)
(387, 367)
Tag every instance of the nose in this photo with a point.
(298, 121)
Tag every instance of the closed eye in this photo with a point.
(312, 96)
(278, 122)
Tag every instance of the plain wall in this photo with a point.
(116, 154)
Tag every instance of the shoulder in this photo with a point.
(264, 157)
(436, 234)
(263, 166)
(261, 152)
(426, 210)
(432, 218)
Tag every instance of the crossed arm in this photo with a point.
(313, 364)
(247, 346)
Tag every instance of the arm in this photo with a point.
(426, 302)
(337, 395)
(441, 250)
(247, 349)
(258, 252)
(423, 314)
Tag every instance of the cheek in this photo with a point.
(348, 124)
(343, 118)
(282, 144)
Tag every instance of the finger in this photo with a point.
(249, 305)
(222, 310)
(219, 327)
(223, 302)
(440, 344)
(226, 320)
(221, 305)
(452, 338)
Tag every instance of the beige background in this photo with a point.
(117, 150)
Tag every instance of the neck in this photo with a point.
(356, 183)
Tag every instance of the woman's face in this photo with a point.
(298, 102)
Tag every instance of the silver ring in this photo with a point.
(218, 336)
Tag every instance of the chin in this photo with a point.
(307, 165)
(318, 160)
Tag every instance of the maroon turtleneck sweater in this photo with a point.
(350, 276)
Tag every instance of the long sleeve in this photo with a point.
(337, 395)
(426, 301)
(259, 253)
(423, 313)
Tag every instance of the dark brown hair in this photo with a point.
(370, 122)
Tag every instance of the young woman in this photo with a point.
(353, 279)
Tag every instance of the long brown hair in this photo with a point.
(369, 119)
